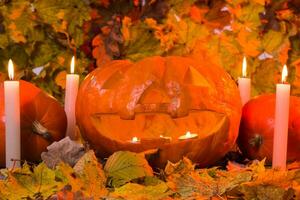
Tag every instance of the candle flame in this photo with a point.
(244, 70)
(73, 65)
(188, 134)
(284, 74)
(134, 139)
(10, 69)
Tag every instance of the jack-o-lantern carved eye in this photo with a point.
(193, 77)
(113, 80)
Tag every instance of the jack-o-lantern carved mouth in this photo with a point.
(160, 126)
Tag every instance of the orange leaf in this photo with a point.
(99, 51)
(105, 30)
(16, 35)
(126, 23)
(283, 53)
(61, 60)
(60, 79)
(104, 3)
(197, 14)
(60, 14)
(249, 42)
(16, 13)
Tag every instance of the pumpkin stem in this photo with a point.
(39, 129)
(256, 141)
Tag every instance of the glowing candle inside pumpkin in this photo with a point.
(12, 119)
(135, 140)
(188, 135)
(72, 83)
(244, 84)
(281, 122)
(165, 137)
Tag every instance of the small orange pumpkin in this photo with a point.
(43, 120)
(158, 99)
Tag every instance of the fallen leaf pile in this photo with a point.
(127, 175)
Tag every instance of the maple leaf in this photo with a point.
(249, 41)
(87, 176)
(124, 166)
(90, 171)
(99, 51)
(23, 183)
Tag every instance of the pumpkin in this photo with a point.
(157, 100)
(43, 120)
(257, 128)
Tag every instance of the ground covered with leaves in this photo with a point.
(127, 175)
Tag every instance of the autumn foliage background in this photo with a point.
(41, 36)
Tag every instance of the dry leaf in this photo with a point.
(65, 150)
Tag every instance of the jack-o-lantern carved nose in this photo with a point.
(152, 98)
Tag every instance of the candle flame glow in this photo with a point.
(284, 74)
(244, 70)
(10, 69)
(72, 65)
(134, 139)
(188, 134)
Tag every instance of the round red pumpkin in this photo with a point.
(257, 128)
(43, 120)
(156, 98)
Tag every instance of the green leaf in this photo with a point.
(124, 166)
(272, 40)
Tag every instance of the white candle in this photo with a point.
(281, 122)
(244, 84)
(72, 84)
(188, 135)
(12, 119)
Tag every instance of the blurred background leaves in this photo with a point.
(41, 36)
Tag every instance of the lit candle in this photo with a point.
(281, 122)
(135, 140)
(12, 119)
(72, 83)
(244, 84)
(165, 137)
(188, 135)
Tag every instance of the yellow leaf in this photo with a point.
(61, 60)
(60, 14)
(151, 23)
(16, 35)
(16, 13)
(126, 23)
(261, 2)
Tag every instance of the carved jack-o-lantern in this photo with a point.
(158, 100)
